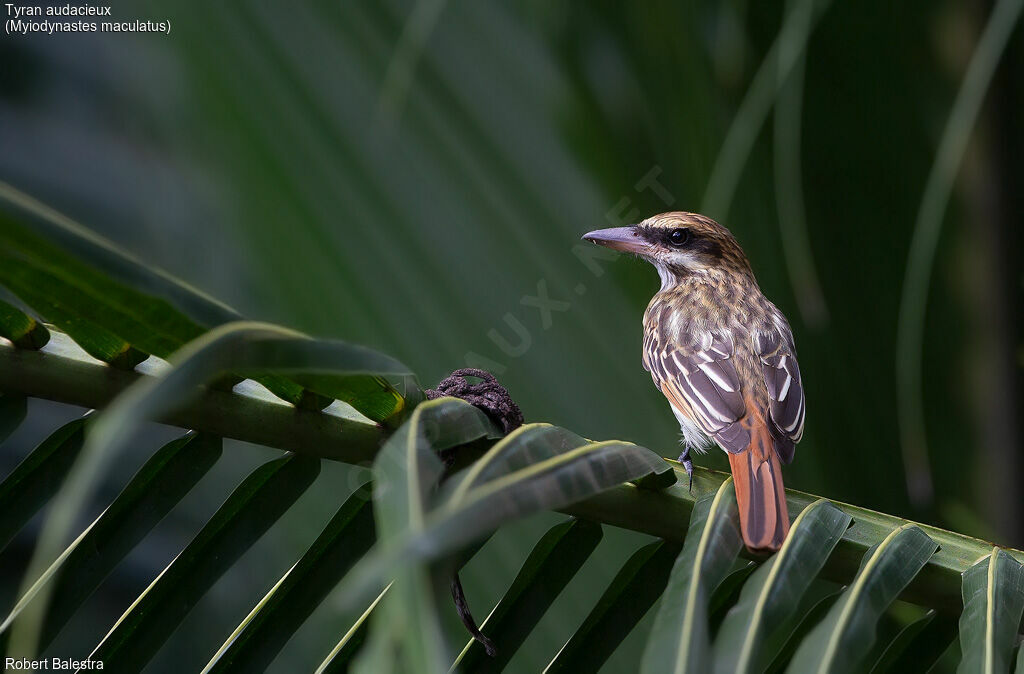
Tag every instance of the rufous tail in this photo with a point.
(757, 474)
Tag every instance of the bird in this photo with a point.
(724, 357)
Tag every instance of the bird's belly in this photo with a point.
(693, 436)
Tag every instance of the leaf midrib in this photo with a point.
(990, 613)
(477, 494)
(691, 598)
(832, 646)
(754, 629)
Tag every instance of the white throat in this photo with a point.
(668, 279)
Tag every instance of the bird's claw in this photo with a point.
(684, 459)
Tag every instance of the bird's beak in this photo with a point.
(626, 239)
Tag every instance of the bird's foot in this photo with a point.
(684, 459)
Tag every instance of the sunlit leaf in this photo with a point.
(22, 330)
(62, 371)
(98, 342)
(121, 309)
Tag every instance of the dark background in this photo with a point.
(405, 174)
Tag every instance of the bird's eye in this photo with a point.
(678, 237)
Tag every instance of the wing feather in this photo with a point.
(700, 381)
(787, 407)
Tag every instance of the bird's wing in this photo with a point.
(700, 381)
(787, 406)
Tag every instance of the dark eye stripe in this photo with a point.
(704, 246)
(692, 242)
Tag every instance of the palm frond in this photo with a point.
(443, 481)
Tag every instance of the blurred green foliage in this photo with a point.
(415, 177)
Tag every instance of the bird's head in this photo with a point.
(678, 244)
